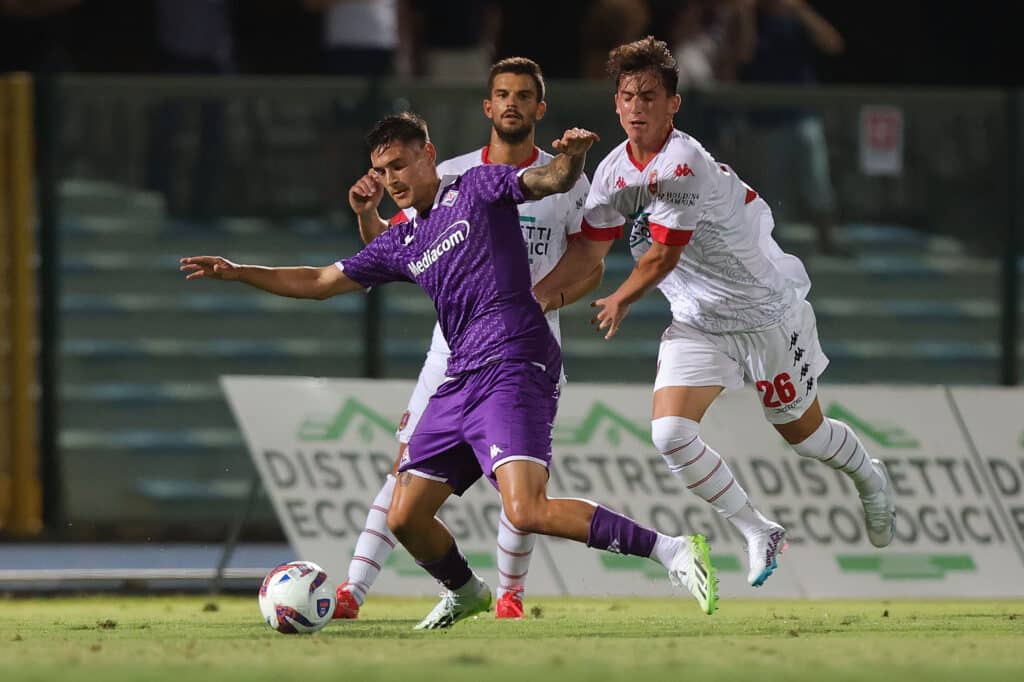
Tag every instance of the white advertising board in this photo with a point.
(323, 446)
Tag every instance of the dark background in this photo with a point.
(909, 42)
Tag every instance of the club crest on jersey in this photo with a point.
(652, 183)
(449, 197)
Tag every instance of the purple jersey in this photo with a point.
(468, 254)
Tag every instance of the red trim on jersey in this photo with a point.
(398, 218)
(751, 195)
(600, 234)
(525, 164)
(669, 237)
(639, 166)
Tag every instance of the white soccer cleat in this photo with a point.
(452, 608)
(880, 510)
(691, 568)
(763, 550)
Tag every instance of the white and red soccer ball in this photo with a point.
(295, 598)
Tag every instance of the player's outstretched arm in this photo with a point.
(364, 196)
(562, 172)
(652, 267)
(291, 282)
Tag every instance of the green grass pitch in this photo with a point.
(186, 639)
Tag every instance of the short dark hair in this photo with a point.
(405, 127)
(522, 66)
(646, 54)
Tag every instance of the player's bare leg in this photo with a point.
(834, 443)
(523, 486)
(374, 546)
(413, 519)
(675, 430)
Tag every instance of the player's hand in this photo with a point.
(611, 314)
(575, 141)
(366, 194)
(213, 267)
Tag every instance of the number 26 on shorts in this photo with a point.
(778, 392)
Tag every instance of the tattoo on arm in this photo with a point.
(404, 479)
(553, 178)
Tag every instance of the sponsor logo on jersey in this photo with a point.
(453, 235)
(679, 198)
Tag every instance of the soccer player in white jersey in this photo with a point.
(514, 104)
(703, 237)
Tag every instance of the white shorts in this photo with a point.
(431, 376)
(783, 363)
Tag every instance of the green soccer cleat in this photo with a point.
(452, 608)
(691, 568)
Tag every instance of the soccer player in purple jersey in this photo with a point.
(515, 103)
(494, 416)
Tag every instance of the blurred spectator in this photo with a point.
(193, 37)
(454, 41)
(365, 37)
(29, 33)
(608, 24)
(779, 41)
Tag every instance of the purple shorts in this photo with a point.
(480, 419)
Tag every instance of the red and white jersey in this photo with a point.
(732, 275)
(547, 224)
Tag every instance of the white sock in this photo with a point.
(665, 548)
(835, 444)
(515, 549)
(472, 588)
(696, 464)
(374, 545)
(748, 520)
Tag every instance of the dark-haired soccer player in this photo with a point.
(703, 237)
(515, 102)
(493, 416)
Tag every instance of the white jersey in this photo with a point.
(547, 224)
(732, 275)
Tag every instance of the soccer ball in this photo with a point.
(295, 598)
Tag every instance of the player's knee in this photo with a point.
(674, 436)
(526, 516)
(400, 521)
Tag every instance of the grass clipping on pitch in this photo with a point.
(194, 638)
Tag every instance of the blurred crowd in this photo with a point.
(455, 40)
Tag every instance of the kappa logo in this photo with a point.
(408, 239)
(452, 236)
(495, 451)
(620, 183)
(683, 170)
(450, 197)
(614, 547)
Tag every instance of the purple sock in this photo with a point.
(452, 570)
(620, 534)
